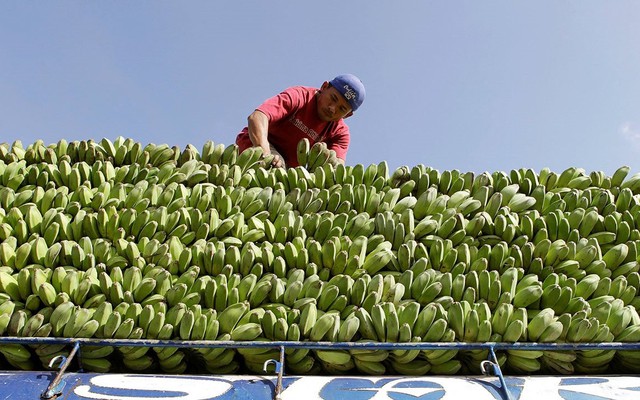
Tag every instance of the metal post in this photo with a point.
(279, 369)
(57, 385)
(280, 373)
(497, 371)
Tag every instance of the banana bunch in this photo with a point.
(523, 361)
(313, 156)
(98, 358)
(18, 356)
(116, 239)
(477, 328)
(528, 292)
(558, 362)
(545, 327)
(430, 324)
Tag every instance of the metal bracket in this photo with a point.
(492, 367)
(56, 386)
(279, 369)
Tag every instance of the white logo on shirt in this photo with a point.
(310, 132)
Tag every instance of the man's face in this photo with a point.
(331, 105)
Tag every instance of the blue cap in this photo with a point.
(351, 88)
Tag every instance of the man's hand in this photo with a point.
(272, 160)
(258, 125)
(277, 162)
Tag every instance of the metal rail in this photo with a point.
(488, 367)
(323, 345)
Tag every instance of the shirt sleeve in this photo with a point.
(282, 105)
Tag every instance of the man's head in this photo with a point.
(351, 88)
(340, 97)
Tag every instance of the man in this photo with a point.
(279, 123)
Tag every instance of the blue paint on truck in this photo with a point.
(90, 386)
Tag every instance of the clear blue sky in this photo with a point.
(469, 85)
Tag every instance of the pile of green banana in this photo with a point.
(116, 239)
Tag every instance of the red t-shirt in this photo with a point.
(293, 116)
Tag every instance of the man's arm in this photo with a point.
(258, 129)
(258, 124)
